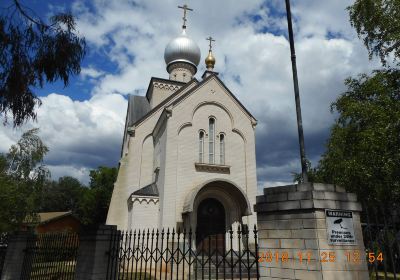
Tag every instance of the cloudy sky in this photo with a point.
(83, 123)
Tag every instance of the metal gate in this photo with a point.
(50, 256)
(3, 249)
(172, 255)
(381, 233)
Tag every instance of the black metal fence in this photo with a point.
(50, 256)
(3, 249)
(381, 233)
(188, 255)
(170, 254)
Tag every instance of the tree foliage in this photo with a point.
(32, 53)
(377, 22)
(25, 158)
(65, 194)
(363, 151)
(22, 177)
(89, 204)
(97, 200)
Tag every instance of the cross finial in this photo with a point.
(211, 39)
(185, 8)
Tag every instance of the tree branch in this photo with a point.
(21, 10)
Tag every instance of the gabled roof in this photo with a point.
(215, 75)
(149, 190)
(140, 100)
(199, 84)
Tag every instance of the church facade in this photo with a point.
(188, 152)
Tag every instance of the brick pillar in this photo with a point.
(93, 254)
(13, 262)
(291, 220)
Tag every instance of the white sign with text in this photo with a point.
(339, 226)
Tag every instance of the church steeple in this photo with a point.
(210, 59)
(182, 54)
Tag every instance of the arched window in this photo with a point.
(211, 136)
(222, 148)
(201, 146)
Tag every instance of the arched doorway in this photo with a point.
(210, 225)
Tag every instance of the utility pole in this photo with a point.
(297, 95)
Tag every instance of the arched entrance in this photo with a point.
(229, 197)
(210, 225)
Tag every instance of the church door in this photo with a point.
(210, 226)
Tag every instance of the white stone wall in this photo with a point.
(178, 146)
(188, 117)
(181, 75)
(129, 174)
(144, 213)
(162, 91)
(146, 162)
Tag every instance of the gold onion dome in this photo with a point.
(210, 60)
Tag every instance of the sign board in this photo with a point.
(339, 226)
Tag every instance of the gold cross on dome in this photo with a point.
(211, 40)
(185, 8)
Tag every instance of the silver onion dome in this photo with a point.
(182, 49)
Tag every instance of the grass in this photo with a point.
(381, 275)
(137, 276)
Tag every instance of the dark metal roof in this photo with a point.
(138, 106)
(149, 190)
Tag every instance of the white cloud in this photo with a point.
(80, 173)
(90, 72)
(80, 135)
(253, 59)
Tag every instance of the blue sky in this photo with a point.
(83, 123)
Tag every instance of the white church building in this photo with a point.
(188, 151)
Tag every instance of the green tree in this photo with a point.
(101, 186)
(89, 204)
(363, 151)
(22, 177)
(377, 23)
(33, 52)
(62, 195)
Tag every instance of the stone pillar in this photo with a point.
(15, 255)
(293, 228)
(93, 254)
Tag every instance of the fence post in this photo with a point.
(14, 259)
(293, 224)
(93, 253)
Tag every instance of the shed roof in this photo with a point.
(45, 217)
(149, 190)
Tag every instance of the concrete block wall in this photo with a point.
(292, 230)
(93, 254)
